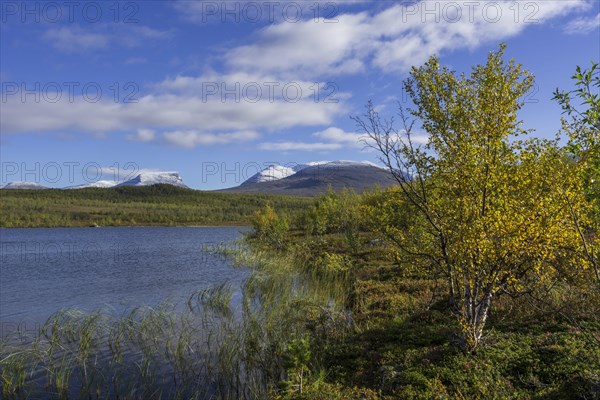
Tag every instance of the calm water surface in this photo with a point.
(116, 269)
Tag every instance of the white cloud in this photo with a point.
(132, 35)
(584, 25)
(332, 138)
(419, 138)
(190, 139)
(250, 87)
(77, 39)
(161, 112)
(299, 146)
(337, 135)
(143, 135)
(297, 49)
(71, 39)
(182, 103)
(394, 39)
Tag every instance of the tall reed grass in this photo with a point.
(209, 348)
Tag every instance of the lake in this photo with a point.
(112, 268)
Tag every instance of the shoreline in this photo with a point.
(235, 225)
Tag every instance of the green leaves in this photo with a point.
(583, 146)
(587, 91)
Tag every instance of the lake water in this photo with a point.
(115, 269)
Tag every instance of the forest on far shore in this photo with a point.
(158, 205)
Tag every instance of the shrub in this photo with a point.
(269, 228)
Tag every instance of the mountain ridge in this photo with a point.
(307, 179)
(312, 179)
(146, 178)
(24, 186)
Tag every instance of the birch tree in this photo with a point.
(494, 220)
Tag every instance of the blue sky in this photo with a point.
(218, 90)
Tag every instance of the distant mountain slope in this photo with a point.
(153, 178)
(142, 179)
(270, 174)
(24, 186)
(313, 179)
(97, 184)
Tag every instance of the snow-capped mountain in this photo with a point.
(153, 178)
(338, 163)
(313, 178)
(146, 178)
(271, 173)
(97, 184)
(24, 185)
(142, 179)
(276, 172)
